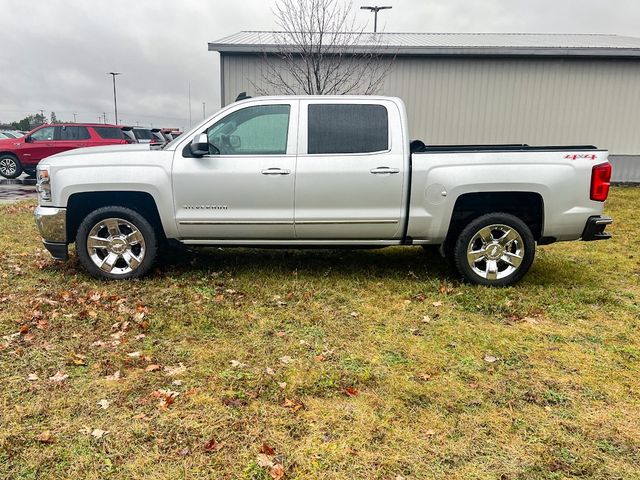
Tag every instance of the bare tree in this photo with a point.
(321, 51)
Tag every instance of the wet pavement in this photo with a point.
(17, 189)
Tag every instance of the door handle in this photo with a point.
(276, 171)
(383, 170)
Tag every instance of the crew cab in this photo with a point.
(24, 153)
(325, 171)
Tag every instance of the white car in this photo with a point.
(324, 171)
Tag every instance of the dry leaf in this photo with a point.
(46, 437)
(424, 376)
(104, 403)
(286, 360)
(437, 304)
(282, 385)
(263, 461)
(213, 446)
(354, 314)
(277, 471)
(98, 434)
(167, 397)
(33, 377)
(430, 432)
(267, 450)
(269, 371)
(173, 371)
(153, 367)
(490, 359)
(133, 354)
(59, 377)
(114, 376)
(351, 391)
(294, 405)
(237, 364)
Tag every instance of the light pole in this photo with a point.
(375, 10)
(115, 99)
(204, 112)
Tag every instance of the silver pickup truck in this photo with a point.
(296, 171)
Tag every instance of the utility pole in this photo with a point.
(115, 99)
(104, 116)
(189, 103)
(74, 117)
(375, 11)
(204, 111)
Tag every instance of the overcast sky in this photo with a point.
(54, 54)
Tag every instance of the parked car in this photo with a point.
(142, 134)
(128, 134)
(24, 153)
(321, 171)
(11, 134)
(158, 139)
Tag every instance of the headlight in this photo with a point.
(43, 185)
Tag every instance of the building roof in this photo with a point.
(509, 44)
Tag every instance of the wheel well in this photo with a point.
(9, 153)
(82, 204)
(527, 206)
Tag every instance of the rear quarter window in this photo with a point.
(142, 134)
(347, 128)
(109, 133)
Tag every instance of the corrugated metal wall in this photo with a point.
(509, 100)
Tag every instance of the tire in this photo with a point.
(10, 166)
(116, 243)
(495, 250)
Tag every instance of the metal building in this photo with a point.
(539, 89)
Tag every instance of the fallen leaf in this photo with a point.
(237, 364)
(430, 432)
(233, 402)
(264, 461)
(269, 371)
(184, 452)
(177, 383)
(354, 314)
(277, 471)
(286, 360)
(424, 376)
(24, 329)
(133, 354)
(293, 405)
(426, 319)
(437, 304)
(213, 446)
(33, 377)
(98, 433)
(281, 334)
(351, 391)
(114, 376)
(46, 437)
(104, 403)
(282, 385)
(153, 367)
(531, 320)
(490, 359)
(267, 450)
(167, 397)
(59, 377)
(173, 371)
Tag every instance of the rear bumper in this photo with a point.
(594, 229)
(52, 224)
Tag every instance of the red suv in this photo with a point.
(19, 155)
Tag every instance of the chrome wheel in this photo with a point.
(495, 251)
(116, 246)
(8, 167)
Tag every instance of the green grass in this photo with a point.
(561, 400)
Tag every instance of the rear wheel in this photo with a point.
(10, 166)
(116, 243)
(494, 250)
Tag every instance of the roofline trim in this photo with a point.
(612, 52)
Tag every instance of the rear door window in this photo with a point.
(71, 133)
(109, 133)
(347, 128)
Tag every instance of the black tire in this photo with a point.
(10, 166)
(497, 256)
(147, 249)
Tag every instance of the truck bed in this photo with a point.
(417, 146)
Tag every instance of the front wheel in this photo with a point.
(495, 250)
(10, 166)
(116, 243)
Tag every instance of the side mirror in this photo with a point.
(199, 146)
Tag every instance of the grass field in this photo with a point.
(321, 364)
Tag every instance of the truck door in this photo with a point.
(350, 171)
(244, 188)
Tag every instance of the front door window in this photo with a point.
(44, 134)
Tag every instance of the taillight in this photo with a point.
(600, 178)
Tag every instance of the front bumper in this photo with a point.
(52, 224)
(594, 229)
